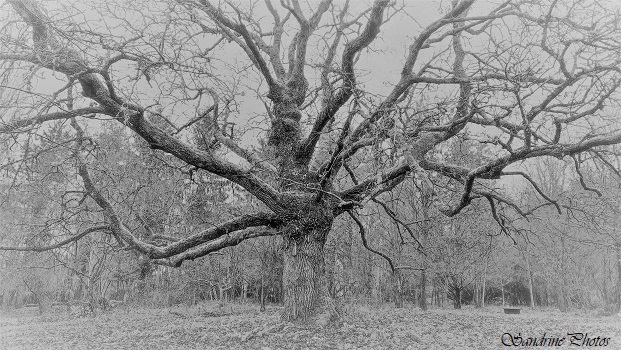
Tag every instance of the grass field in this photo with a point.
(243, 327)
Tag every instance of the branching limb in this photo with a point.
(20, 124)
(329, 171)
(581, 178)
(227, 240)
(192, 121)
(599, 105)
(501, 199)
(228, 141)
(165, 238)
(177, 247)
(396, 174)
(72, 63)
(58, 244)
(278, 31)
(464, 200)
(152, 236)
(364, 188)
(607, 163)
(351, 173)
(407, 78)
(251, 48)
(497, 218)
(365, 243)
(535, 186)
(490, 170)
(352, 48)
(430, 138)
(155, 252)
(395, 218)
(300, 43)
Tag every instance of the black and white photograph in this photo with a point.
(310, 174)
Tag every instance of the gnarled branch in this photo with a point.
(57, 244)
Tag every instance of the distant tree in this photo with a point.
(528, 79)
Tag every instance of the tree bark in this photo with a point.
(305, 287)
(398, 288)
(530, 278)
(426, 201)
(445, 295)
(5, 299)
(376, 283)
(530, 287)
(244, 291)
(476, 294)
(457, 298)
(92, 297)
(423, 290)
(618, 301)
(502, 289)
(349, 266)
(563, 302)
(484, 282)
(262, 291)
(91, 288)
(547, 292)
(45, 302)
(605, 273)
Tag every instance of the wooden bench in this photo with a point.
(512, 310)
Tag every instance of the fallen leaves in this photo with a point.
(243, 327)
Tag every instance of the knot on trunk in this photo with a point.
(286, 121)
(285, 131)
(313, 223)
(296, 89)
(93, 87)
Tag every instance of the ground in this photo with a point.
(237, 326)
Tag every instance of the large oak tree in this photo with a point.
(528, 79)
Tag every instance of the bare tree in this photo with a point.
(528, 79)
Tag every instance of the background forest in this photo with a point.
(565, 256)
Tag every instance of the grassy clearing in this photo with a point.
(243, 327)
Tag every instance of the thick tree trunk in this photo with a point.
(305, 285)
